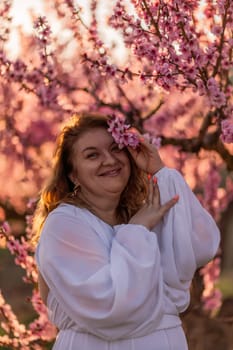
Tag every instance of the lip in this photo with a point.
(111, 172)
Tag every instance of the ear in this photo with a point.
(73, 178)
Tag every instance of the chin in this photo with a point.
(115, 189)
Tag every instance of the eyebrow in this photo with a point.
(91, 148)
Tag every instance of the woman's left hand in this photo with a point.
(152, 212)
(146, 156)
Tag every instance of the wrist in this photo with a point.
(156, 167)
(134, 221)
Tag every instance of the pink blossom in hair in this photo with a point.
(121, 134)
(124, 135)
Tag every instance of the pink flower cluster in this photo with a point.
(212, 296)
(41, 79)
(5, 228)
(23, 257)
(154, 140)
(124, 135)
(217, 97)
(15, 334)
(227, 130)
(5, 15)
(121, 134)
(178, 51)
(43, 30)
(210, 193)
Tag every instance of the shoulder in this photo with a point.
(66, 222)
(67, 214)
(68, 210)
(70, 225)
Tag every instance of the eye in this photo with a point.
(92, 155)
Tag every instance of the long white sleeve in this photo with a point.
(106, 289)
(188, 235)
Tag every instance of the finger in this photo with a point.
(150, 189)
(156, 194)
(134, 131)
(135, 152)
(168, 205)
(146, 145)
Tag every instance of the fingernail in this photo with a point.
(155, 180)
(149, 176)
(176, 197)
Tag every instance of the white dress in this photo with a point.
(123, 287)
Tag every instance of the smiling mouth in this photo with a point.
(113, 172)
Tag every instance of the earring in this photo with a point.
(75, 190)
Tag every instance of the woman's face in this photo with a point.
(101, 168)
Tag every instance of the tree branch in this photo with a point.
(211, 142)
(155, 24)
(153, 111)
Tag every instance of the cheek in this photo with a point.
(124, 156)
(86, 169)
(126, 161)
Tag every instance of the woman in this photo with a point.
(118, 246)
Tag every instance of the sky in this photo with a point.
(21, 8)
(21, 17)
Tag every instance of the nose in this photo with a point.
(109, 159)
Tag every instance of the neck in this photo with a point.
(108, 216)
(104, 208)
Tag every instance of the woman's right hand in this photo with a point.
(152, 212)
(146, 156)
